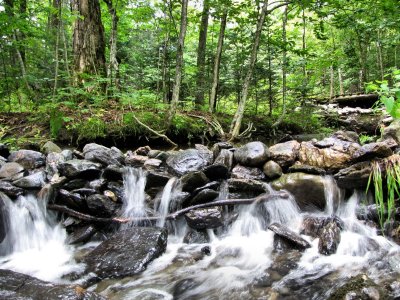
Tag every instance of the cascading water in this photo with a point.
(166, 196)
(35, 243)
(243, 255)
(134, 205)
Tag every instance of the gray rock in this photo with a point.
(103, 155)
(205, 218)
(74, 184)
(113, 172)
(135, 160)
(81, 235)
(298, 167)
(3, 217)
(218, 147)
(156, 179)
(101, 205)
(312, 226)
(68, 154)
(187, 161)
(308, 190)
(152, 163)
(153, 153)
(84, 192)
(347, 136)
(50, 147)
(10, 190)
(225, 158)
(24, 287)
(80, 168)
(372, 150)
(204, 196)
(284, 232)
(34, 181)
(98, 184)
(213, 185)
(272, 170)
(72, 200)
(53, 160)
(193, 180)
(196, 237)
(355, 176)
(392, 131)
(252, 154)
(329, 238)
(29, 159)
(247, 187)
(205, 153)
(127, 252)
(4, 150)
(285, 154)
(241, 172)
(216, 172)
(9, 170)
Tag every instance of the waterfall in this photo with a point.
(35, 243)
(333, 195)
(134, 205)
(166, 197)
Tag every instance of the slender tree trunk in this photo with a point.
(21, 35)
(380, 58)
(165, 70)
(201, 56)
(56, 22)
(284, 67)
(65, 45)
(305, 78)
(88, 40)
(341, 89)
(217, 61)
(113, 67)
(179, 64)
(237, 119)
(332, 82)
(270, 78)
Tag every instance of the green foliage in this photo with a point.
(389, 95)
(386, 191)
(56, 123)
(365, 139)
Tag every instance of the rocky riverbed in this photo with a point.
(119, 222)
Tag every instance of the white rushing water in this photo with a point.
(242, 254)
(166, 197)
(134, 204)
(35, 243)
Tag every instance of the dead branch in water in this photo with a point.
(173, 216)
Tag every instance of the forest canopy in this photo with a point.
(264, 59)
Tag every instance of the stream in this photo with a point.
(238, 261)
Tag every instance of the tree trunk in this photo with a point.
(88, 40)
(113, 67)
(284, 67)
(341, 89)
(217, 61)
(332, 86)
(201, 56)
(55, 21)
(270, 96)
(304, 56)
(179, 64)
(380, 58)
(237, 119)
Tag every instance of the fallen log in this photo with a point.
(173, 216)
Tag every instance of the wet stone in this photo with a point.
(204, 196)
(285, 154)
(80, 168)
(187, 161)
(225, 158)
(103, 155)
(193, 180)
(205, 218)
(289, 235)
(329, 238)
(10, 190)
(196, 237)
(101, 205)
(9, 170)
(81, 235)
(272, 170)
(29, 159)
(216, 172)
(241, 172)
(113, 172)
(72, 200)
(253, 154)
(34, 181)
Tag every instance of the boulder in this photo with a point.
(53, 160)
(218, 147)
(241, 172)
(355, 176)
(187, 161)
(196, 237)
(19, 286)
(312, 225)
(216, 171)
(135, 160)
(113, 172)
(272, 170)
(3, 217)
(205, 218)
(285, 154)
(34, 181)
(72, 200)
(145, 150)
(101, 205)
(156, 179)
(10, 190)
(50, 147)
(329, 154)
(347, 136)
(247, 187)
(73, 184)
(152, 163)
(329, 238)
(308, 190)
(298, 167)
(4, 151)
(205, 153)
(29, 159)
(103, 155)
(204, 196)
(193, 180)
(392, 131)
(225, 158)
(98, 184)
(10, 170)
(127, 252)
(81, 235)
(80, 168)
(283, 232)
(253, 154)
(213, 185)
(372, 150)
